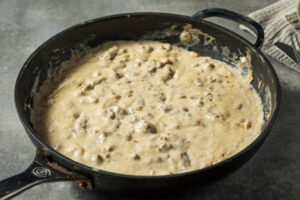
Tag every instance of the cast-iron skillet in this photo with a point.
(49, 165)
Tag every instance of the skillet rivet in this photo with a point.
(83, 185)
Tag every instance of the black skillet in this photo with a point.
(49, 165)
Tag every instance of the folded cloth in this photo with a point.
(279, 21)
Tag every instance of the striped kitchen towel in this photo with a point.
(279, 20)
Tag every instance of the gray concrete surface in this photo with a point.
(273, 173)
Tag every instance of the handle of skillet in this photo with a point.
(246, 21)
(38, 172)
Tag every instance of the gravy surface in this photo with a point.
(147, 108)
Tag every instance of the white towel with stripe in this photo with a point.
(279, 20)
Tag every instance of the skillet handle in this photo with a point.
(40, 171)
(219, 12)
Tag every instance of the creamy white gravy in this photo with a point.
(147, 108)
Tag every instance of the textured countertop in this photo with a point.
(273, 173)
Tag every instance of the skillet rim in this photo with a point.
(96, 172)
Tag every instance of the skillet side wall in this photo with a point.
(131, 27)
